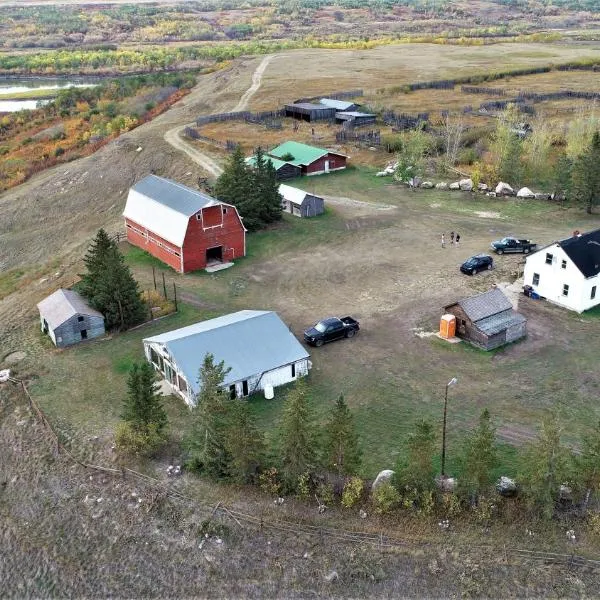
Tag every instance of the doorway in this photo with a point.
(326, 166)
(214, 255)
(84, 334)
(244, 388)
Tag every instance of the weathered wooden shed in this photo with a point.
(488, 320)
(284, 170)
(355, 118)
(67, 318)
(300, 203)
(307, 111)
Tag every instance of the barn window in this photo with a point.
(549, 258)
(536, 279)
(80, 319)
(593, 294)
(224, 210)
(293, 369)
(199, 216)
(563, 264)
(565, 290)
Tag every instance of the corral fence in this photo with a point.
(333, 96)
(194, 134)
(367, 138)
(401, 122)
(324, 534)
(473, 89)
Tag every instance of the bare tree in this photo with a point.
(452, 131)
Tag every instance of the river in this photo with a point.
(10, 86)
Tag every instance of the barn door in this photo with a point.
(326, 166)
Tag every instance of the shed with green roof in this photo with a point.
(310, 159)
(284, 170)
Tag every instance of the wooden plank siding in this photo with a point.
(465, 328)
(70, 332)
(336, 163)
(155, 245)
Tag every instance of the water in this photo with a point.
(16, 86)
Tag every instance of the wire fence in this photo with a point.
(376, 539)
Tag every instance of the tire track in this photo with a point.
(173, 136)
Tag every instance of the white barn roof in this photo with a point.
(250, 342)
(62, 305)
(292, 194)
(164, 207)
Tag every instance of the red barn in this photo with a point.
(184, 228)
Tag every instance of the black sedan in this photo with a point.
(479, 262)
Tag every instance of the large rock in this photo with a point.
(466, 185)
(427, 185)
(455, 185)
(525, 192)
(442, 185)
(384, 476)
(381, 174)
(482, 187)
(503, 189)
(506, 486)
(543, 196)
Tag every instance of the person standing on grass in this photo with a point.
(457, 239)
(443, 241)
(452, 238)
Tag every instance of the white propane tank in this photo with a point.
(269, 393)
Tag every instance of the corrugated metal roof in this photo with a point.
(250, 342)
(292, 194)
(302, 153)
(277, 164)
(164, 206)
(307, 106)
(500, 321)
(337, 104)
(62, 305)
(486, 304)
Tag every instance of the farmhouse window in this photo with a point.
(536, 279)
(565, 290)
(181, 383)
(549, 258)
(593, 294)
(563, 264)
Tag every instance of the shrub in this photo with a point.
(303, 486)
(140, 442)
(59, 151)
(268, 481)
(4, 150)
(385, 498)
(325, 493)
(287, 156)
(353, 491)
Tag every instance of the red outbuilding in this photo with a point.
(186, 229)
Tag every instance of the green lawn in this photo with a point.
(389, 377)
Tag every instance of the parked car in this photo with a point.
(330, 329)
(479, 262)
(511, 244)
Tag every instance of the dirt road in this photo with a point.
(173, 136)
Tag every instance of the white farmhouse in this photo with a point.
(567, 272)
(256, 345)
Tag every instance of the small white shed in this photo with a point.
(300, 203)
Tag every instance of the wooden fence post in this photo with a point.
(164, 285)
(154, 277)
(175, 296)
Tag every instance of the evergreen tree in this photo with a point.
(585, 177)
(588, 464)
(94, 261)
(244, 442)
(342, 452)
(116, 294)
(546, 467)
(417, 472)
(207, 445)
(143, 407)
(267, 198)
(298, 443)
(235, 186)
(480, 456)
(562, 176)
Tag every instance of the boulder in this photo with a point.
(455, 185)
(491, 194)
(389, 169)
(482, 187)
(442, 185)
(427, 185)
(543, 196)
(381, 174)
(384, 476)
(503, 189)
(506, 486)
(466, 185)
(446, 484)
(414, 182)
(525, 193)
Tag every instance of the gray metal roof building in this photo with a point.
(251, 343)
(67, 318)
(338, 104)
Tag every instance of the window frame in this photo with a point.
(549, 258)
(565, 291)
(593, 293)
(535, 280)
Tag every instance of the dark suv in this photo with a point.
(479, 262)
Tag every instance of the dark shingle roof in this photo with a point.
(584, 251)
(485, 305)
(499, 322)
(62, 305)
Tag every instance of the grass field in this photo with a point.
(379, 260)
